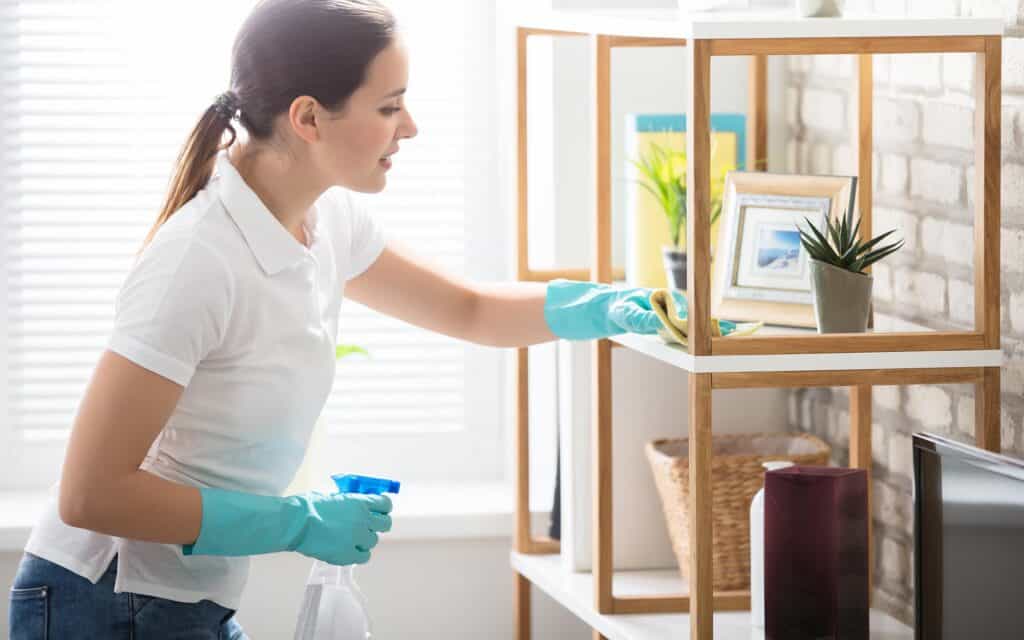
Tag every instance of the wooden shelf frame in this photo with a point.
(702, 602)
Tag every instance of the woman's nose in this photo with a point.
(409, 129)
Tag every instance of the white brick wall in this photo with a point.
(1012, 185)
(896, 120)
(961, 302)
(952, 241)
(1011, 250)
(958, 72)
(881, 287)
(925, 291)
(947, 125)
(924, 186)
(823, 109)
(931, 406)
(906, 225)
(895, 173)
(922, 72)
(936, 181)
(901, 457)
(1013, 64)
(1016, 306)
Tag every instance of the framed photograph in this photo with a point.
(760, 270)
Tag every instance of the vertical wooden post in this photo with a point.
(757, 114)
(699, 514)
(987, 157)
(523, 535)
(523, 613)
(698, 222)
(860, 396)
(522, 217)
(864, 143)
(601, 271)
(986, 411)
(522, 409)
(860, 458)
(522, 603)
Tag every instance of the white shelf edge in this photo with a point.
(677, 356)
(574, 591)
(753, 24)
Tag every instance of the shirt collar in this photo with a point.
(274, 248)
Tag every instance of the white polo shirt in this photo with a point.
(228, 304)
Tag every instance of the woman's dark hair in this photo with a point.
(284, 49)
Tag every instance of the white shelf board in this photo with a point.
(575, 592)
(678, 356)
(783, 23)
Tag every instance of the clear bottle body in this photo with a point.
(333, 607)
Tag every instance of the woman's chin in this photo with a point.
(373, 184)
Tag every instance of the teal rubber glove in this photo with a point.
(576, 310)
(340, 528)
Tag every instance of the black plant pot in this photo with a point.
(675, 267)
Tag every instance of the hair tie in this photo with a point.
(227, 105)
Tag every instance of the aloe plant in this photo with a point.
(840, 246)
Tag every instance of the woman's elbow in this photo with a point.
(71, 506)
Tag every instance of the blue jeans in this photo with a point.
(49, 601)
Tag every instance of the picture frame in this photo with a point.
(760, 270)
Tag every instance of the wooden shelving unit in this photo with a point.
(770, 358)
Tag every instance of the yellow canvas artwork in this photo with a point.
(648, 225)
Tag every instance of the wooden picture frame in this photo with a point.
(760, 270)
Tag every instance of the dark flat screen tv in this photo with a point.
(968, 542)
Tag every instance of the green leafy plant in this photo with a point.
(664, 176)
(840, 246)
(343, 350)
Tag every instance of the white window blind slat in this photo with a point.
(97, 97)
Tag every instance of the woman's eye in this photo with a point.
(390, 110)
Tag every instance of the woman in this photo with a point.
(222, 352)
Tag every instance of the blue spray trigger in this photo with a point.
(364, 484)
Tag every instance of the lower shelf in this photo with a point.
(575, 592)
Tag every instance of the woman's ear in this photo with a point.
(304, 118)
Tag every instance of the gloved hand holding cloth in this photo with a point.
(576, 310)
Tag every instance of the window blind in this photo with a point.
(97, 98)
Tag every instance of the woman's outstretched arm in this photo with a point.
(405, 286)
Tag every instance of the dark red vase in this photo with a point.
(816, 554)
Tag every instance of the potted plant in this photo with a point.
(841, 287)
(664, 176)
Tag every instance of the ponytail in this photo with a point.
(196, 161)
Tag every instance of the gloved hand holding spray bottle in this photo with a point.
(333, 607)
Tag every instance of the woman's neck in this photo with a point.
(287, 191)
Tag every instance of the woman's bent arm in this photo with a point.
(123, 410)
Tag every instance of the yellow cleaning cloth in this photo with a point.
(674, 329)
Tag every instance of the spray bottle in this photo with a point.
(333, 607)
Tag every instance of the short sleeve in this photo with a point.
(367, 238)
(173, 308)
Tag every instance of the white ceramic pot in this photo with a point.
(819, 8)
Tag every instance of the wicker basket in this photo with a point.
(736, 475)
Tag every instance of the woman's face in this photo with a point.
(358, 144)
